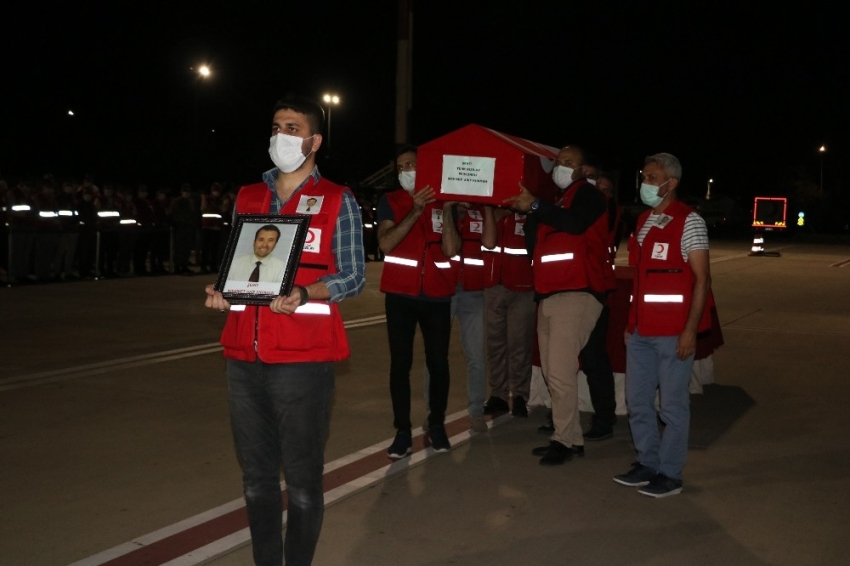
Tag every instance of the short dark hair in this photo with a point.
(401, 149)
(267, 228)
(310, 108)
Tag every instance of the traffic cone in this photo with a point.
(758, 244)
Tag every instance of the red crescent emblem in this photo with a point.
(310, 237)
(659, 249)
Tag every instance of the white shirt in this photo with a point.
(271, 268)
(694, 234)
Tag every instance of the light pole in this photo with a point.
(331, 100)
(204, 72)
(822, 150)
(708, 192)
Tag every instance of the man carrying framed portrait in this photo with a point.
(280, 354)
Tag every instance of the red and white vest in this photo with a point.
(567, 262)
(469, 263)
(664, 283)
(508, 264)
(315, 331)
(417, 265)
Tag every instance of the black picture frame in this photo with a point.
(281, 261)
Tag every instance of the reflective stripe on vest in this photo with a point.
(508, 251)
(520, 251)
(468, 260)
(664, 298)
(401, 260)
(211, 216)
(314, 308)
(556, 257)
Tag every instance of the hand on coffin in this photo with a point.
(422, 197)
(522, 201)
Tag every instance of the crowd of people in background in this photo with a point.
(64, 230)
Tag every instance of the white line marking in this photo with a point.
(335, 495)
(64, 374)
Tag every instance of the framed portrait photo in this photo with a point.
(261, 258)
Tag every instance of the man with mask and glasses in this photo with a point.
(572, 273)
(669, 307)
(280, 357)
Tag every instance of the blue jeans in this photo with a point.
(468, 308)
(651, 364)
(279, 414)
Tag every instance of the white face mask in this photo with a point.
(591, 181)
(649, 194)
(407, 179)
(285, 151)
(562, 176)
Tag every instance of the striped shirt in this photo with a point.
(348, 240)
(694, 235)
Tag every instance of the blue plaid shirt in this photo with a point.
(348, 240)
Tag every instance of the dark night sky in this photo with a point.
(745, 95)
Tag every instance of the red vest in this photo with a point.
(508, 263)
(613, 230)
(417, 264)
(566, 262)
(315, 331)
(470, 262)
(664, 283)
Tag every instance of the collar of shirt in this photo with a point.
(269, 178)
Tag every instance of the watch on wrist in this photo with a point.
(535, 205)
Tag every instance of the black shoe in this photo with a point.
(546, 428)
(661, 486)
(556, 455)
(638, 476)
(402, 445)
(439, 440)
(598, 431)
(519, 409)
(496, 405)
(543, 450)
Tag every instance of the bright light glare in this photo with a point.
(204, 71)
(331, 98)
(70, 112)
(822, 149)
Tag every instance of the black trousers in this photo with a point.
(600, 377)
(434, 320)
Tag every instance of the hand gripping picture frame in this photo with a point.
(261, 258)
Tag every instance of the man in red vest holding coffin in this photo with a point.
(572, 274)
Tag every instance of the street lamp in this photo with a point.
(331, 100)
(204, 72)
(822, 150)
(708, 192)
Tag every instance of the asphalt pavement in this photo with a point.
(115, 445)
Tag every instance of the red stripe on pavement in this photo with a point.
(198, 536)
